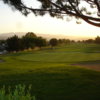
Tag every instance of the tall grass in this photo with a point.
(19, 93)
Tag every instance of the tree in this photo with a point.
(64, 41)
(60, 8)
(53, 42)
(28, 40)
(30, 34)
(89, 41)
(13, 43)
(97, 40)
(40, 42)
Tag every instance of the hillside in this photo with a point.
(47, 36)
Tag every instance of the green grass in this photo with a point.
(19, 93)
(52, 73)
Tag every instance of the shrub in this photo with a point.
(18, 93)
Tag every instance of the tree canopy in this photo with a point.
(87, 10)
(53, 42)
(28, 41)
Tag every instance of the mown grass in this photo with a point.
(52, 73)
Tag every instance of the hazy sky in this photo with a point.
(14, 21)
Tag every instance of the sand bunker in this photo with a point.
(90, 66)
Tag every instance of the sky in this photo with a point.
(14, 21)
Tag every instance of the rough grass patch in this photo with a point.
(18, 93)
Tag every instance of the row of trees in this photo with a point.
(30, 40)
(96, 40)
(66, 41)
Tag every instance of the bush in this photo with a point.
(19, 93)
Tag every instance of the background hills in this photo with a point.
(4, 36)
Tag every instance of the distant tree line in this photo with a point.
(30, 41)
(96, 40)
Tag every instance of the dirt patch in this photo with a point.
(1, 61)
(90, 66)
